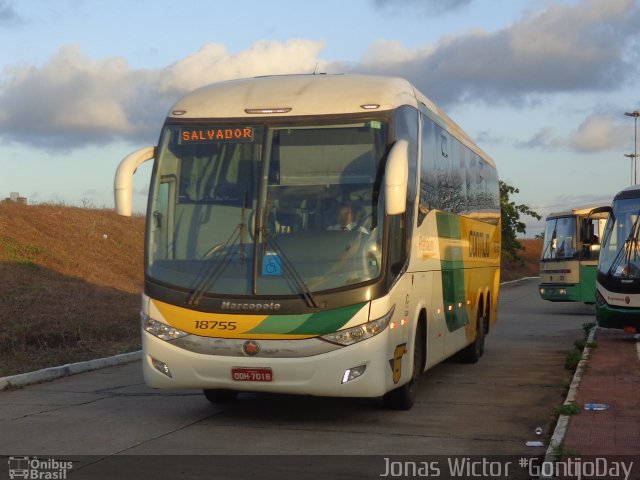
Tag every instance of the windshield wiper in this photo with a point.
(631, 243)
(212, 272)
(292, 273)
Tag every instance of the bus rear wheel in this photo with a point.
(472, 352)
(217, 395)
(403, 397)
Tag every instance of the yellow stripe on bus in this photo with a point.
(223, 325)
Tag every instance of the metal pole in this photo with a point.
(634, 157)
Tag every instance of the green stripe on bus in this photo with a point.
(327, 321)
(308, 324)
(448, 225)
(280, 323)
(454, 298)
(452, 265)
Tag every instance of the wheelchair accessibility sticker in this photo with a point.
(272, 265)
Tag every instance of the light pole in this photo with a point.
(634, 158)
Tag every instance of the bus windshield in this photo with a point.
(620, 255)
(249, 209)
(560, 239)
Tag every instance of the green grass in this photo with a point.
(571, 408)
(573, 359)
(23, 254)
(560, 451)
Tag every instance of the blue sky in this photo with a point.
(541, 85)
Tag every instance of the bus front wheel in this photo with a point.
(216, 395)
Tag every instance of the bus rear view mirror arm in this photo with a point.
(123, 184)
(396, 178)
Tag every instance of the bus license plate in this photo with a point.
(246, 374)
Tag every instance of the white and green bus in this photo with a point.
(570, 252)
(331, 235)
(618, 280)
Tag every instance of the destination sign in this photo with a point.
(216, 135)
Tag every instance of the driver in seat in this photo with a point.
(345, 220)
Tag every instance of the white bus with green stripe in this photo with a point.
(570, 252)
(618, 279)
(249, 285)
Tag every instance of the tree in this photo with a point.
(511, 223)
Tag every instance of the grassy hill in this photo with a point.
(71, 282)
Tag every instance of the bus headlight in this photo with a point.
(159, 329)
(600, 299)
(361, 332)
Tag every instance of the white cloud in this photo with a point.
(544, 139)
(213, 63)
(583, 47)
(8, 15)
(597, 133)
(420, 6)
(389, 52)
(74, 101)
(71, 96)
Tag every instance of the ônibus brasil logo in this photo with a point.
(37, 469)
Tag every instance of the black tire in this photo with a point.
(472, 352)
(215, 395)
(403, 397)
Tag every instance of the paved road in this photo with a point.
(492, 407)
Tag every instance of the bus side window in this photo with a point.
(163, 216)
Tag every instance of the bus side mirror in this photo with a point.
(123, 184)
(396, 178)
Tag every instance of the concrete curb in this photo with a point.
(52, 373)
(563, 420)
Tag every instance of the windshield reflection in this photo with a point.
(560, 239)
(264, 213)
(620, 256)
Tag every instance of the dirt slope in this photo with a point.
(528, 266)
(71, 281)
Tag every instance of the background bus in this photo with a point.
(248, 284)
(618, 280)
(570, 254)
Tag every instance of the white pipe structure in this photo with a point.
(123, 184)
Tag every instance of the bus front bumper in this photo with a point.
(167, 366)
(608, 316)
(563, 293)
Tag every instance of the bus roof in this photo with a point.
(299, 95)
(577, 211)
(629, 192)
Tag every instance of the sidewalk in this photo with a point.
(610, 377)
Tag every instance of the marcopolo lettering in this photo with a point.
(256, 307)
